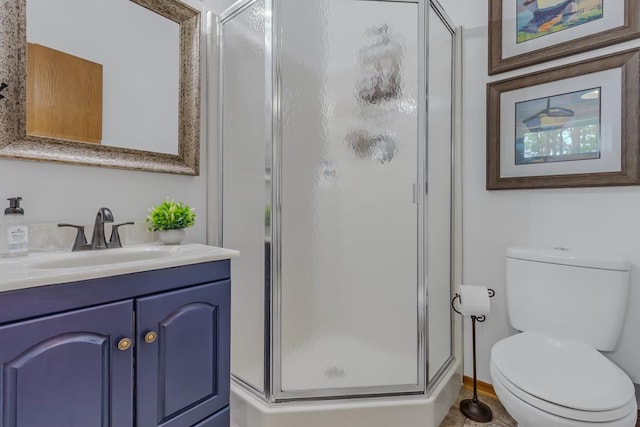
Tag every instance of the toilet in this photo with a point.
(569, 306)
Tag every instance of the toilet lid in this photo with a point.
(564, 372)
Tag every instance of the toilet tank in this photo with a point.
(567, 294)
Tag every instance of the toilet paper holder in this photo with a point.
(472, 408)
(480, 318)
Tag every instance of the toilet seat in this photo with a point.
(561, 411)
(530, 416)
(562, 377)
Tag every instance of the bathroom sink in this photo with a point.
(103, 257)
(49, 268)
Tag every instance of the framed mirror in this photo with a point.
(19, 141)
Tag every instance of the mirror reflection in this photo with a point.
(126, 150)
(103, 72)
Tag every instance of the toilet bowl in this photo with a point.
(545, 381)
(568, 307)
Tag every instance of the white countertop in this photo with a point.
(47, 268)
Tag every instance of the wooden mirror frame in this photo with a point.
(16, 144)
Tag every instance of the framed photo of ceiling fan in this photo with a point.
(570, 126)
(528, 32)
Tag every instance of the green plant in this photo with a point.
(170, 215)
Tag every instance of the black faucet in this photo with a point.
(98, 240)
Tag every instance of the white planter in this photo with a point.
(171, 237)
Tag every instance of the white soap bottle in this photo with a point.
(14, 233)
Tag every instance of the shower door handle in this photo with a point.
(415, 189)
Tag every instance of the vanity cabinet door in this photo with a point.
(67, 370)
(182, 369)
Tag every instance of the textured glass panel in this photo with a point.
(349, 221)
(439, 196)
(245, 127)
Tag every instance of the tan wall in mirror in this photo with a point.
(64, 95)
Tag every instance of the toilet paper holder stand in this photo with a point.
(472, 408)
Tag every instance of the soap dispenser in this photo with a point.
(14, 233)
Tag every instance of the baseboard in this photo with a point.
(484, 389)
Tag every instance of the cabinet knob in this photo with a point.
(150, 337)
(124, 344)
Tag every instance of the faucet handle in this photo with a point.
(114, 240)
(81, 239)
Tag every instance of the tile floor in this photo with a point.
(456, 419)
(500, 417)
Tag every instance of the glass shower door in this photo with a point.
(246, 194)
(349, 187)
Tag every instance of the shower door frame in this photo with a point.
(277, 394)
(272, 388)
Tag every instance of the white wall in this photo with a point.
(65, 193)
(218, 6)
(577, 218)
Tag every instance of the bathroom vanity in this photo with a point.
(123, 337)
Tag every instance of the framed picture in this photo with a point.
(571, 126)
(527, 32)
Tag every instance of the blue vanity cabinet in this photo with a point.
(182, 355)
(145, 349)
(67, 370)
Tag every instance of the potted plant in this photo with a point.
(169, 219)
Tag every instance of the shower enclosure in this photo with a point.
(336, 159)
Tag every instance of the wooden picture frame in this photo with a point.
(620, 21)
(514, 161)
